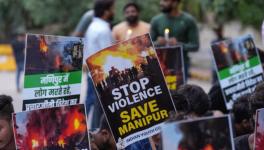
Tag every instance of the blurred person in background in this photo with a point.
(98, 36)
(256, 101)
(242, 116)
(18, 45)
(180, 28)
(7, 141)
(217, 99)
(83, 24)
(132, 26)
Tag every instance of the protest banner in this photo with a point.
(207, 133)
(259, 130)
(53, 71)
(131, 88)
(238, 67)
(52, 128)
(171, 63)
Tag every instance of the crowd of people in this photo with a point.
(191, 101)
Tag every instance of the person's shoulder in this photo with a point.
(144, 23)
(188, 17)
(241, 142)
(158, 17)
(88, 14)
(119, 26)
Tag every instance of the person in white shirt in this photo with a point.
(98, 36)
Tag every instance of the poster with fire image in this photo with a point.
(53, 71)
(171, 63)
(60, 128)
(238, 67)
(259, 130)
(208, 133)
(131, 88)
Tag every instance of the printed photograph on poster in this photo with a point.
(259, 130)
(208, 133)
(171, 63)
(131, 88)
(60, 128)
(238, 66)
(53, 54)
(53, 70)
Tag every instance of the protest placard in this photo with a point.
(206, 133)
(53, 71)
(131, 88)
(238, 67)
(51, 128)
(171, 62)
(259, 130)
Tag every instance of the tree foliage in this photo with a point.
(37, 14)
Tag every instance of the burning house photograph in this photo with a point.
(124, 63)
(53, 54)
(259, 132)
(203, 134)
(231, 52)
(60, 128)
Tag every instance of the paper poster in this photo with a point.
(208, 133)
(60, 128)
(171, 62)
(53, 71)
(238, 66)
(259, 130)
(131, 88)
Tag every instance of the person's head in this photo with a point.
(219, 31)
(197, 98)
(131, 11)
(181, 103)
(217, 99)
(168, 5)
(242, 115)
(256, 100)
(6, 110)
(104, 138)
(104, 9)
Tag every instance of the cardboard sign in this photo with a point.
(131, 88)
(171, 62)
(53, 71)
(208, 133)
(52, 128)
(238, 66)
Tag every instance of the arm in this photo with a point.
(193, 38)
(83, 24)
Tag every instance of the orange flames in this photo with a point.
(61, 143)
(57, 61)
(73, 124)
(43, 45)
(35, 143)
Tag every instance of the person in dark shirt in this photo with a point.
(180, 27)
(18, 45)
(246, 142)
